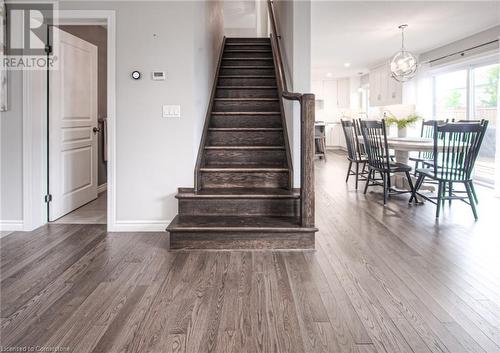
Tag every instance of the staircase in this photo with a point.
(243, 196)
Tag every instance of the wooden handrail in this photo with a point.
(307, 118)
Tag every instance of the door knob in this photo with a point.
(96, 130)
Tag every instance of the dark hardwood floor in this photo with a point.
(383, 279)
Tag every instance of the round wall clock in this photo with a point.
(136, 75)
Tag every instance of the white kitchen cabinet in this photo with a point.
(343, 93)
(384, 90)
(394, 91)
(335, 135)
(375, 88)
(335, 94)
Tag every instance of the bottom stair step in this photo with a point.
(239, 202)
(223, 232)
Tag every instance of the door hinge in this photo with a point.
(48, 48)
(48, 198)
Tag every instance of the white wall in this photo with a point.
(245, 18)
(480, 38)
(154, 155)
(294, 26)
(11, 151)
(208, 34)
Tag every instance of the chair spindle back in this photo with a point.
(375, 141)
(456, 147)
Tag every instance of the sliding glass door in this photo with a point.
(450, 95)
(484, 104)
(471, 93)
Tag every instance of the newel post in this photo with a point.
(307, 160)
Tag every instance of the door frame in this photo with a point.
(35, 139)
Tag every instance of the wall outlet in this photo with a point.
(171, 111)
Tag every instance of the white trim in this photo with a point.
(30, 204)
(34, 149)
(102, 188)
(11, 226)
(139, 226)
(27, 152)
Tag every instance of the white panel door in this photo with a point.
(72, 119)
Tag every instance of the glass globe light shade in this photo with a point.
(403, 66)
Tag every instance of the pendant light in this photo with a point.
(403, 64)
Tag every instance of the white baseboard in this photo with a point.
(102, 188)
(11, 226)
(138, 226)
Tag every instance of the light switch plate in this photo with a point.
(171, 111)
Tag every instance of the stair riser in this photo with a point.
(244, 179)
(245, 81)
(245, 138)
(241, 240)
(234, 53)
(246, 93)
(246, 71)
(246, 106)
(248, 46)
(256, 63)
(239, 207)
(254, 157)
(229, 121)
(248, 40)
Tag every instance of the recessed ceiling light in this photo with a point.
(329, 74)
(347, 64)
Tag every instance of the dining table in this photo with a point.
(402, 146)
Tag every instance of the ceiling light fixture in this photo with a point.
(403, 64)
(329, 74)
(347, 64)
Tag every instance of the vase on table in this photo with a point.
(401, 131)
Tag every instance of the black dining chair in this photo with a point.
(426, 131)
(450, 185)
(354, 154)
(375, 141)
(456, 147)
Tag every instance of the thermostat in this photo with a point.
(158, 75)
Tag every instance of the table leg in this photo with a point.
(399, 181)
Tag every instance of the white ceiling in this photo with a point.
(365, 33)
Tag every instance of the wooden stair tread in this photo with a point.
(247, 51)
(249, 58)
(237, 223)
(247, 67)
(244, 147)
(246, 113)
(247, 76)
(243, 169)
(248, 43)
(223, 166)
(247, 87)
(275, 193)
(253, 99)
(245, 129)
